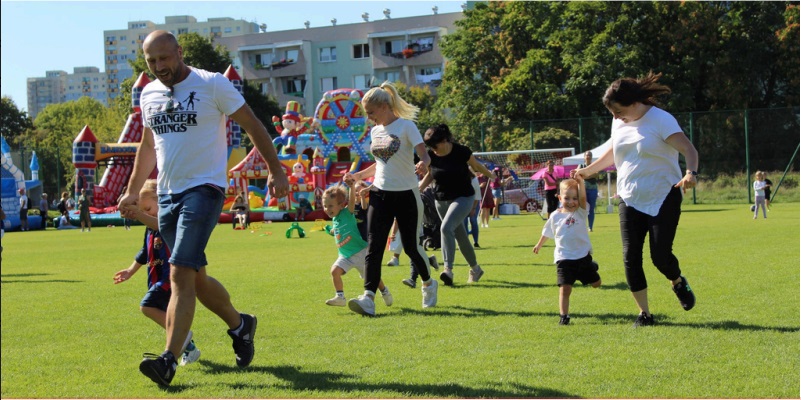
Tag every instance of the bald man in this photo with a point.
(189, 147)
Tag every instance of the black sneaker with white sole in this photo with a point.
(243, 341)
(644, 320)
(685, 294)
(160, 369)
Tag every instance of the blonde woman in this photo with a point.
(394, 193)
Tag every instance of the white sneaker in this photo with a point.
(363, 305)
(388, 300)
(393, 262)
(336, 301)
(190, 356)
(430, 294)
(474, 275)
(433, 261)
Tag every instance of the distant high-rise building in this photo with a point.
(59, 87)
(121, 45)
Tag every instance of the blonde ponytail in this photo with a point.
(388, 94)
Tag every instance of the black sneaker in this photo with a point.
(243, 342)
(564, 320)
(594, 266)
(685, 294)
(644, 320)
(160, 369)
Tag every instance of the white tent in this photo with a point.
(597, 152)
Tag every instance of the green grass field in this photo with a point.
(69, 332)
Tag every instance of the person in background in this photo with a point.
(496, 184)
(646, 143)
(551, 186)
(472, 219)
(44, 207)
(591, 185)
(487, 200)
(83, 205)
(759, 194)
(768, 186)
(24, 202)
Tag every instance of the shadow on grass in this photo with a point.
(336, 382)
(4, 280)
(732, 326)
(704, 211)
(491, 283)
(616, 286)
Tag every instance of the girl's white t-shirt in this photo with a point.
(759, 188)
(569, 232)
(393, 149)
(191, 142)
(647, 166)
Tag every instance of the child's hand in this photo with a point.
(536, 249)
(578, 178)
(122, 276)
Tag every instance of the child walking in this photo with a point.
(572, 254)
(155, 255)
(352, 247)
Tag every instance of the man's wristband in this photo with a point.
(693, 173)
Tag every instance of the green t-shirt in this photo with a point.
(346, 232)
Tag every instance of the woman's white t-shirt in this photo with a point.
(647, 166)
(393, 149)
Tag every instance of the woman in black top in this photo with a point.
(454, 195)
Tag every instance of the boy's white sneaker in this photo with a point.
(430, 294)
(363, 305)
(190, 356)
(393, 262)
(388, 300)
(336, 301)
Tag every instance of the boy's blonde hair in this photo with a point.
(336, 192)
(149, 189)
(388, 94)
(568, 184)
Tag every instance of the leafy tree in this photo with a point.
(421, 97)
(13, 122)
(517, 61)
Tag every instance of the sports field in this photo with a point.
(69, 332)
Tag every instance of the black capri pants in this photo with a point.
(660, 229)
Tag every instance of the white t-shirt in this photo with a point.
(23, 202)
(759, 188)
(476, 189)
(647, 167)
(393, 149)
(569, 231)
(191, 144)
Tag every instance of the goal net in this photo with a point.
(517, 169)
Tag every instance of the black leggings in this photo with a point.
(384, 208)
(661, 230)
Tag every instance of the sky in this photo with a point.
(40, 36)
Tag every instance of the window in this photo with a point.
(182, 31)
(123, 38)
(425, 43)
(228, 29)
(361, 81)
(328, 84)
(264, 59)
(393, 46)
(328, 54)
(295, 86)
(361, 50)
(291, 56)
(393, 76)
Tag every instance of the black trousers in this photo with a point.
(385, 207)
(660, 229)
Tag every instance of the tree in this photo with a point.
(13, 122)
(516, 61)
(421, 97)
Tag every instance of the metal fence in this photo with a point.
(728, 142)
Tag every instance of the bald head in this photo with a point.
(160, 37)
(165, 57)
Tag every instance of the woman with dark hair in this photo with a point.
(646, 142)
(454, 194)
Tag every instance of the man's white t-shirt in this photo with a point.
(647, 167)
(393, 149)
(191, 143)
(569, 231)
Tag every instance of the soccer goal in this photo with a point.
(517, 169)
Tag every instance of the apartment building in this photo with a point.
(60, 86)
(123, 44)
(302, 64)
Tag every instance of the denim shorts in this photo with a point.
(186, 221)
(156, 297)
(496, 193)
